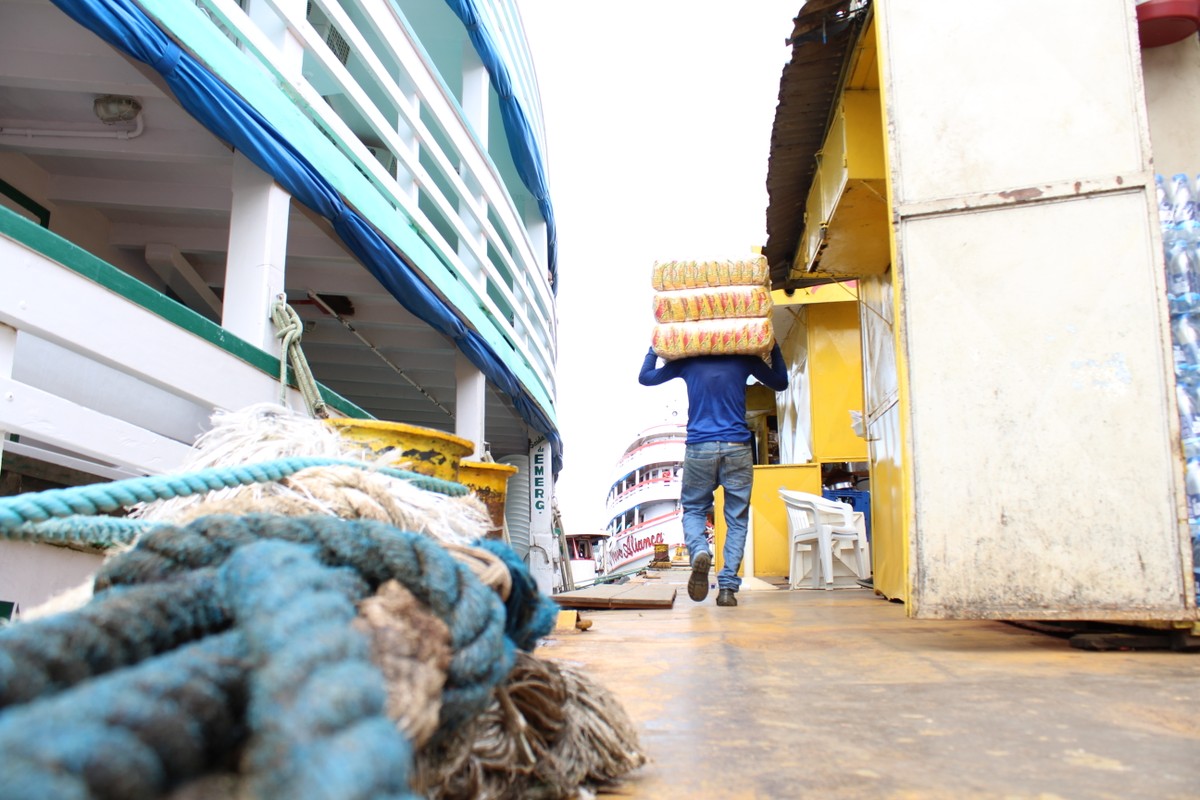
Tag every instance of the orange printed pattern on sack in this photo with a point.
(749, 336)
(681, 305)
(672, 275)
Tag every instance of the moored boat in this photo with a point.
(643, 501)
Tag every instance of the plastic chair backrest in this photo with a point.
(822, 509)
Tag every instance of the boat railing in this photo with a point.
(637, 454)
(642, 526)
(645, 487)
(398, 123)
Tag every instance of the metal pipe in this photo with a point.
(68, 134)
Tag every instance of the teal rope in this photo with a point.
(96, 498)
(230, 638)
(102, 532)
(130, 735)
(472, 611)
(111, 632)
(317, 703)
(296, 672)
(530, 614)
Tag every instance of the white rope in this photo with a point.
(290, 330)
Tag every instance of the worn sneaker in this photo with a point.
(727, 597)
(698, 582)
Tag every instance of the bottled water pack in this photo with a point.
(1180, 223)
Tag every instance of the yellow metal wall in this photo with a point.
(835, 358)
(769, 520)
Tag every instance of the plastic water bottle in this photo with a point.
(1192, 482)
(1194, 528)
(1185, 335)
(1183, 278)
(1188, 401)
(1165, 214)
(1183, 206)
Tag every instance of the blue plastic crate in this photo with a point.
(858, 500)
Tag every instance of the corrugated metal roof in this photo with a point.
(822, 41)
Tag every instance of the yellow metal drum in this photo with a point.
(426, 451)
(489, 482)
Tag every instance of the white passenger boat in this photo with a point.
(171, 170)
(643, 501)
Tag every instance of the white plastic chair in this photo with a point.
(812, 518)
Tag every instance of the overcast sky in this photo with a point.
(658, 120)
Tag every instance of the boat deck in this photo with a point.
(837, 694)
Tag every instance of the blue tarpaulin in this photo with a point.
(123, 25)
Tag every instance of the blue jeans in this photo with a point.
(705, 467)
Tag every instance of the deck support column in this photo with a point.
(469, 402)
(254, 271)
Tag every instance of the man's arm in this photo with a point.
(773, 377)
(651, 376)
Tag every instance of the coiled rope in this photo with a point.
(316, 702)
(132, 734)
(287, 587)
(472, 612)
(117, 630)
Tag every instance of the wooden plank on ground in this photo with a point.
(610, 595)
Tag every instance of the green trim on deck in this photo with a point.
(193, 31)
(95, 269)
(26, 202)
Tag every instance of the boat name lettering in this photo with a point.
(633, 545)
(539, 479)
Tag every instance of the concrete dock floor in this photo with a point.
(837, 694)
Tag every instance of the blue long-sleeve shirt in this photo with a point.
(716, 389)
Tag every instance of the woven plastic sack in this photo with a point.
(672, 275)
(713, 337)
(681, 305)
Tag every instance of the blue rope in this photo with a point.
(103, 497)
(235, 632)
(317, 703)
(530, 615)
(130, 735)
(116, 630)
(472, 611)
(102, 532)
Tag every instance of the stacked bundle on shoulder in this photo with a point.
(705, 308)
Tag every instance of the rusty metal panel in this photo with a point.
(1045, 459)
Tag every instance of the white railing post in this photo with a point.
(405, 178)
(535, 226)
(8, 350)
(473, 205)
